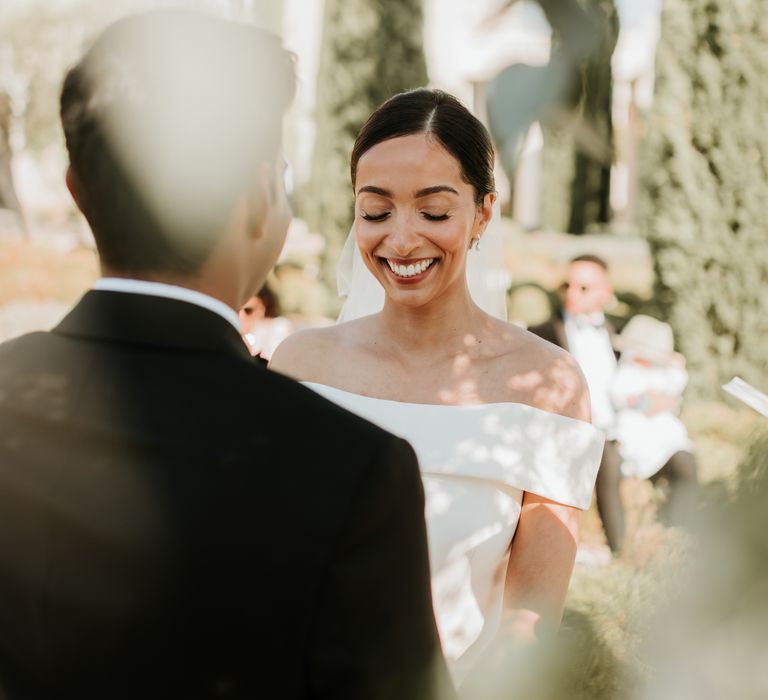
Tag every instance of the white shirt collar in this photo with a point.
(595, 319)
(168, 291)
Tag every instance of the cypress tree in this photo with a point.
(705, 177)
(372, 49)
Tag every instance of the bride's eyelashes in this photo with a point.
(380, 217)
(374, 217)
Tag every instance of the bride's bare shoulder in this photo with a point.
(311, 354)
(545, 375)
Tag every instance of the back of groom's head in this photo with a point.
(168, 119)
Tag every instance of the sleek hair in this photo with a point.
(168, 118)
(441, 116)
(271, 302)
(588, 257)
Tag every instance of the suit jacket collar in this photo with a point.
(558, 325)
(140, 319)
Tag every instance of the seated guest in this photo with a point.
(647, 390)
(262, 325)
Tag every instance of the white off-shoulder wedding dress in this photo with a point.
(476, 463)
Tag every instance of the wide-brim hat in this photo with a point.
(647, 337)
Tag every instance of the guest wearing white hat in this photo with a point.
(646, 392)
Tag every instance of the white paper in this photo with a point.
(754, 398)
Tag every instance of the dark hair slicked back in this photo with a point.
(590, 258)
(167, 119)
(442, 116)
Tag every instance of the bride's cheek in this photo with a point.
(366, 242)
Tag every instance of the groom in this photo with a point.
(162, 533)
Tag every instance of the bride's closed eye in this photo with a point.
(374, 217)
(435, 217)
(385, 214)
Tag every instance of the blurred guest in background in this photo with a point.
(647, 390)
(582, 328)
(262, 325)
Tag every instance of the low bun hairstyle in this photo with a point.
(442, 116)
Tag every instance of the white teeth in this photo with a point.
(410, 270)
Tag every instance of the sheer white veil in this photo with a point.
(487, 277)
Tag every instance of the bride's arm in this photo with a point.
(540, 565)
(543, 550)
(541, 559)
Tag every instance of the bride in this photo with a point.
(498, 417)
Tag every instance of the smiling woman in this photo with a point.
(415, 215)
(498, 418)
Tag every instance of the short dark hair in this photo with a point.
(588, 257)
(168, 118)
(270, 300)
(442, 116)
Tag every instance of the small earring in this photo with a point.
(475, 242)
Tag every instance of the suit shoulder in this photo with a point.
(24, 345)
(539, 328)
(546, 330)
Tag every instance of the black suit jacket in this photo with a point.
(178, 522)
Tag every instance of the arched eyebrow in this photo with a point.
(434, 190)
(375, 190)
(417, 195)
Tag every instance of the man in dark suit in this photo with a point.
(582, 329)
(177, 521)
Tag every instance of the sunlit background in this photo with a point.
(631, 129)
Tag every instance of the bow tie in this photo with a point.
(596, 320)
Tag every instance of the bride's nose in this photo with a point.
(403, 237)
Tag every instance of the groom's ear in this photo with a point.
(260, 199)
(71, 181)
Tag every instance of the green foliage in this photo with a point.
(557, 168)
(710, 641)
(372, 49)
(705, 184)
(597, 654)
(753, 474)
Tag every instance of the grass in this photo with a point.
(613, 611)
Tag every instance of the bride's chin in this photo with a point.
(408, 298)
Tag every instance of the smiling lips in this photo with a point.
(409, 270)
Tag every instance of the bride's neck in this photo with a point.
(443, 327)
